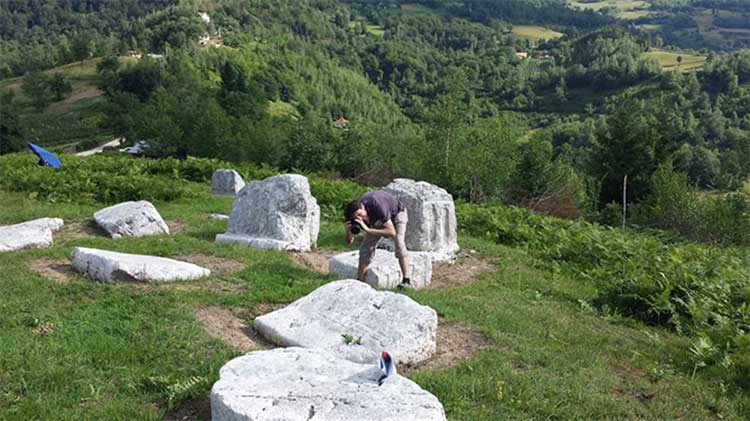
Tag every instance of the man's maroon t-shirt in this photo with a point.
(381, 206)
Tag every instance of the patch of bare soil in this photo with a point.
(456, 343)
(264, 308)
(464, 271)
(228, 324)
(79, 229)
(175, 226)
(314, 260)
(192, 410)
(59, 270)
(217, 265)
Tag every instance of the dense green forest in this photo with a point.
(432, 90)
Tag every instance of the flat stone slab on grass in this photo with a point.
(384, 271)
(308, 384)
(385, 321)
(36, 233)
(277, 213)
(131, 219)
(226, 182)
(109, 266)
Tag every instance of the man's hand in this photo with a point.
(349, 236)
(362, 224)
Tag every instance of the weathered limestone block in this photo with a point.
(226, 182)
(277, 213)
(109, 266)
(384, 272)
(131, 219)
(375, 321)
(31, 234)
(308, 384)
(432, 218)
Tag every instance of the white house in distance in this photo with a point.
(203, 15)
(522, 55)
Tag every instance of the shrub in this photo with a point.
(694, 289)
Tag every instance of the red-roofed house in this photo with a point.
(340, 123)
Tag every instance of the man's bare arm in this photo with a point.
(388, 229)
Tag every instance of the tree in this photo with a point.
(36, 86)
(627, 145)
(81, 47)
(11, 139)
(449, 116)
(59, 86)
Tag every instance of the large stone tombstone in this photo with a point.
(384, 271)
(375, 321)
(109, 266)
(226, 183)
(131, 219)
(30, 234)
(277, 213)
(432, 218)
(312, 384)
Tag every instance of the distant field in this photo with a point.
(376, 30)
(622, 9)
(668, 60)
(535, 33)
(416, 9)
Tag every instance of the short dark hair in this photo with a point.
(349, 209)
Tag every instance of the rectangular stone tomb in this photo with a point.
(307, 384)
(277, 213)
(110, 266)
(356, 322)
(384, 272)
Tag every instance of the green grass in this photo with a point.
(668, 60)
(621, 9)
(377, 30)
(415, 9)
(551, 355)
(535, 33)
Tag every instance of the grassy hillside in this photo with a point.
(535, 33)
(668, 60)
(519, 337)
(622, 9)
(70, 122)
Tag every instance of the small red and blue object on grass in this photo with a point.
(46, 158)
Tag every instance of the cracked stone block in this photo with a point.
(310, 384)
(226, 182)
(373, 320)
(109, 266)
(432, 225)
(384, 272)
(36, 233)
(131, 219)
(277, 213)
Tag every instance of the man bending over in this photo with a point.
(378, 214)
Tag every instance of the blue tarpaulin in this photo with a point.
(45, 157)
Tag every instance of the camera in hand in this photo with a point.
(355, 227)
